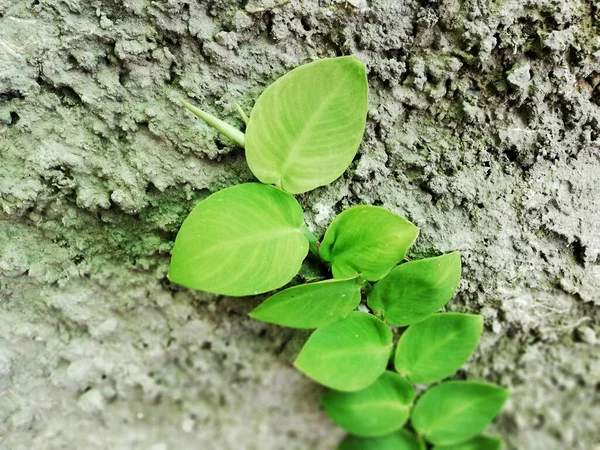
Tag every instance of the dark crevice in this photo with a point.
(174, 74)
(434, 196)
(11, 95)
(578, 252)
(123, 76)
(14, 118)
(511, 154)
(67, 95)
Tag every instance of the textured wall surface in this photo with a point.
(483, 130)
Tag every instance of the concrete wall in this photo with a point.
(482, 130)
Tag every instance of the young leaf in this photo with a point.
(347, 355)
(437, 347)
(400, 440)
(243, 240)
(305, 128)
(478, 443)
(311, 305)
(366, 240)
(415, 290)
(456, 411)
(381, 408)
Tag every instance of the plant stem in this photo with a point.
(242, 113)
(313, 243)
(222, 127)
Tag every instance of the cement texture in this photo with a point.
(483, 130)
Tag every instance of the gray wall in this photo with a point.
(482, 130)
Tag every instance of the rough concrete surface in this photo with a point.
(483, 129)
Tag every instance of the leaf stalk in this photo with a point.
(222, 127)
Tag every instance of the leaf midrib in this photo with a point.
(433, 348)
(352, 350)
(387, 404)
(256, 237)
(293, 150)
(454, 412)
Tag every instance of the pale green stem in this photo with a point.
(242, 113)
(312, 241)
(222, 127)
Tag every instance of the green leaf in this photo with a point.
(415, 290)
(244, 240)
(456, 411)
(366, 240)
(311, 305)
(479, 443)
(381, 408)
(400, 440)
(437, 347)
(347, 355)
(305, 128)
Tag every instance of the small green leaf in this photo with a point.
(437, 347)
(456, 411)
(381, 408)
(366, 240)
(305, 128)
(243, 240)
(400, 440)
(415, 290)
(347, 355)
(311, 305)
(479, 443)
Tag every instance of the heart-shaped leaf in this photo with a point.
(381, 408)
(347, 355)
(311, 305)
(438, 346)
(415, 290)
(305, 128)
(456, 411)
(479, 443)
(244, 240)
(400, 440)
(366, 240)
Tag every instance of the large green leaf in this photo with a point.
(347, 355)
(478, 443)
(437, 347)
(381, 408)
(413, 291)
(456, 411)
(400, 440)
(311, 305)
(305, 128)
(243, 240)
(366, 240)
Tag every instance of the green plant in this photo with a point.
(250, 239)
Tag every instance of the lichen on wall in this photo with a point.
(482, 130)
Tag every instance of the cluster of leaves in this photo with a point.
(249, 239)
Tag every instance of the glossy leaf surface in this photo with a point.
(437, 347)
(456, 411)
(243, 240)
(347, 355)
(415, 290)
(311, 305)
(366, 240)
(478, 443)
(305, 128)
(381, 408)
(400, 440)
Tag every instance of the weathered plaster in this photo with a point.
(483, 130)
